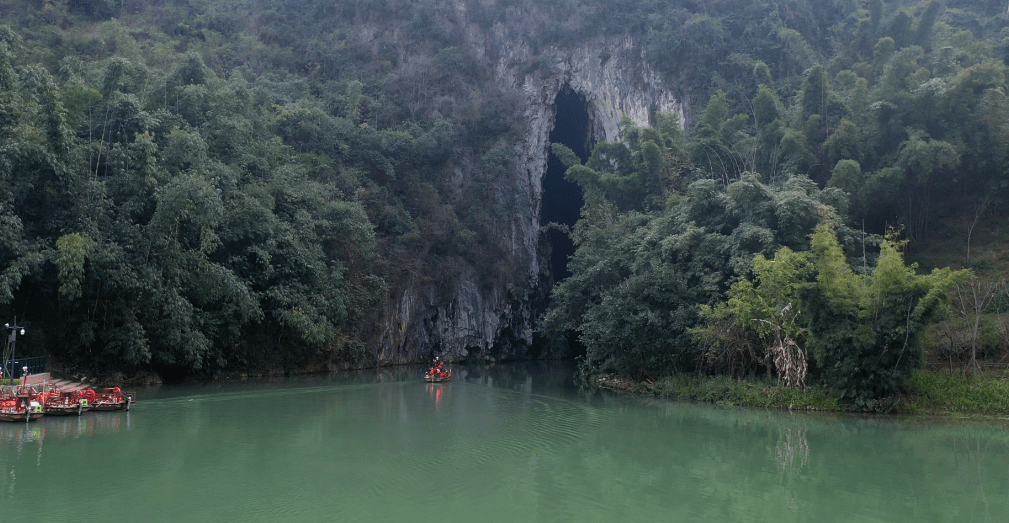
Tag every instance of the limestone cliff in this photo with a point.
(471, 318)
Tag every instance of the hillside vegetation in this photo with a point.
(194, 186)
(698, 254)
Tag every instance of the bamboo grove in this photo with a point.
(196, 186)
(770, 239)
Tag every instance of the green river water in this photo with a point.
(510, 443)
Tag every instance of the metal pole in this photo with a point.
(11, 338)
(13, 341)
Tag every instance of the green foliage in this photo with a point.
(222, 193)
(864, 333)
(201, 239)
(564, 153)
(916, 99)
(247, 180)
(633, 174)
(73, 251)
(748, 324)
(638, 276)
(941, 393)
(724, 390)
(847, 176)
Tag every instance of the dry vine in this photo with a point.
(789, 358)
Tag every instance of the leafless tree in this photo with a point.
(974, 298)
(979, 210)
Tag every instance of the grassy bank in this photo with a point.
(932, 393)
(945, 393)
(723, 390)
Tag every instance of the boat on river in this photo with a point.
(20, 404)
(112, 399)
(61, 402)
(437, 375)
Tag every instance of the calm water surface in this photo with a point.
(512, 443)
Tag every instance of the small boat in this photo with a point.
(20, 404)
(112, 399)
(60, 402)
(437, 375)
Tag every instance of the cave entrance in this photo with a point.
(561, 203)
(562, 200)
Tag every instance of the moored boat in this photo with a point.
(112, 399)
(63, 403)
(20, 404)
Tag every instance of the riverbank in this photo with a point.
(928, 393)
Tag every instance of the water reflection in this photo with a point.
(18, 440)
(530, 377)
(792, 451)
(436, 390)
(519, 441)
(86, 425)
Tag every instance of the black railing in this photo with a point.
(13, 369)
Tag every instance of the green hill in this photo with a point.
(197, 187)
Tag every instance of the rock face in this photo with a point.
(472, 319)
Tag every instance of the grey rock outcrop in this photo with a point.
(471, 318)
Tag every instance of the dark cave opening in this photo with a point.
(562, 203)
(562, 200)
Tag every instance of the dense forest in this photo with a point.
(194, 187)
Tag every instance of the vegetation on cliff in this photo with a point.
(193, 186)
(189, 200)
(751, 256)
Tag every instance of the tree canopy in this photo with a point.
(194, 187)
